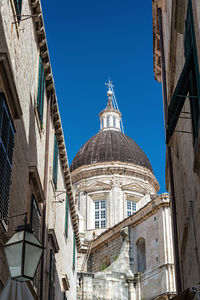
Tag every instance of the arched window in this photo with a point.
(107, 121)
(141, 255)
(114, 122)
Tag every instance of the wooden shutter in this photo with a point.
(52, 276)
(40, 95)
(188, 84)
(74, 251)
(55, 162)
(35, 217)
(6, 154)
(18, 8)
(66, 216)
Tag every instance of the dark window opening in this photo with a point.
(7, 132)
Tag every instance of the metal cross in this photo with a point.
(109, 84)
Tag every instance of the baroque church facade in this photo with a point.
(124, 224)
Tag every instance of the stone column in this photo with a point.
(131, 290)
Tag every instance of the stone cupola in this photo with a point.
(110, 118)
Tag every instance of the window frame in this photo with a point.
(74, 252)
(55, 162)
(66, 216)
(7, 145)
(188, 85)
(132, 210)
(18, 9)
(99, 210)
(52, 268)
(34, 205)
(40, 92)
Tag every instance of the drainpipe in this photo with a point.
(46, 165)
(170, 166)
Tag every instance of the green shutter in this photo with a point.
(18, 8)
(55, 162)
(66, 216)
(74, 251)
(7, 132)
(178, 98)
(41, 85)
(188, 83)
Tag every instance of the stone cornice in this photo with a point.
(156, 39)
(50, 87)
(114, 168)
(144, 213)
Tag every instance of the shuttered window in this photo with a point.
(18, 8)
(40, 95)
(6, 154)
(66, 216)
(55, 162)
(64, 296)
(74, 251)
(188, 84)
(52, 276)
(35, 217)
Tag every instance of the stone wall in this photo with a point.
(105, 255)
(120, 279)
(184, 154)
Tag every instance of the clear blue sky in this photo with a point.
(91, 40)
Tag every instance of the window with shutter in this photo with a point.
(64, 296)
(7, 132)
(188, 85)
(66, 216)
(52, 276)
(18, 8)
(40, 94)
(55, 162)
(35, 217)
(74, 252)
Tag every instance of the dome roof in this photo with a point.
(110, 145)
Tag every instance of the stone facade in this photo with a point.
(118, 255)
(125, 226)
(176, 28)
(33, 190)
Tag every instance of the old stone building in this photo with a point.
(176, 40)
(34, 172)
(125, 226)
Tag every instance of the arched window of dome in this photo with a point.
(100, 214)
(114, 122)
(141, 255)
(107, 121)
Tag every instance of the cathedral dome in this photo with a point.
(108, 146)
